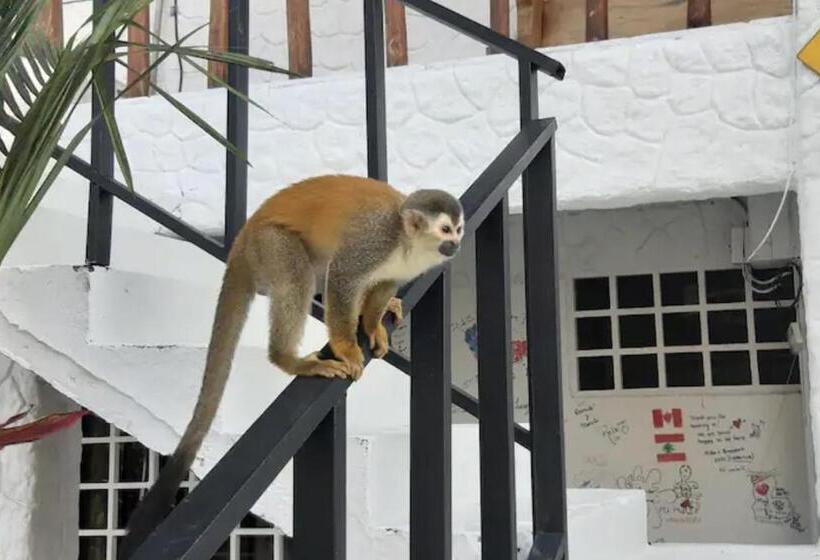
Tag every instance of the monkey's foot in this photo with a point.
(379, 341)
(312, 365)
(394, 307)
(350, 353)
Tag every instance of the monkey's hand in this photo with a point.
(394, 307)
(348, 351)
(379, 341)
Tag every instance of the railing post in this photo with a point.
(300, 51)
(50, 22)
(597, 20)
(396, 33)
(319, 494)
(218, 38)
(544, 358)
(236, 179)
(698, 13)
(498, 525)
(374, 89)
(499, 19)
(430, 425)
(138, 56)
(100, 202)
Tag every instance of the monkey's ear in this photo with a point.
(414, 221)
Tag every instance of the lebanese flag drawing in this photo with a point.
(669, 447)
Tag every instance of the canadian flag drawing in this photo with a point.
(669, 442)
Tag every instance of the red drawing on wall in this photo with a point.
(669, 442)
(661, 418)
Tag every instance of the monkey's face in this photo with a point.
(439, 233)
(447, 233)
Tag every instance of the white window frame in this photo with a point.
(614, 312)
(111, 532)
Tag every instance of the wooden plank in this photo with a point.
(300, 50)
(699, 13)
(50, 21)
(396, 33)
(500, 16)
(218, 39)
(543, 23)
(597, 20)
(138, 58)
(730, 11)
(629, 18)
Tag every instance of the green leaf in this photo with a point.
(201, 123)
(107, 110)
(249, 61)
(204, 71)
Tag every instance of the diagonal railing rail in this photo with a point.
(306, 422)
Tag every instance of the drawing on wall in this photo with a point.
(772, 503)
(669, 442)
(585, 479)
(725, 440)
(679, 503)
(587, 418)
(470, 336)
(687, 494)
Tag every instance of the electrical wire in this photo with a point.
(792, 166)
(776, 214)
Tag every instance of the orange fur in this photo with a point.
(329, 201)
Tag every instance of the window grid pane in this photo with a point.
(681, 330)
(116, 471)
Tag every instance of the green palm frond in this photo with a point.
(41, 86)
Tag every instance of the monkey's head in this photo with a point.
(434, 220)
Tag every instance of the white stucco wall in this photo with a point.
(685, 115)
(807, 142)
(39, 482)
(681, 116)
(609, 436)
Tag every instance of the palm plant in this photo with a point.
(41, 86)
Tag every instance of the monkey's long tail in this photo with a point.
(231, 312)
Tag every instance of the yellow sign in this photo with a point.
(810, 54)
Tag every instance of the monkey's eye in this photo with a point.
(446, 230)
(458, 231)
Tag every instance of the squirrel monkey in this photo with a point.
(366, 237)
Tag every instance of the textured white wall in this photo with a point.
(686, 115)
(39, 482)
(808, 184)
(608, 437)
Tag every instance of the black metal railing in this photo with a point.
(306, 422)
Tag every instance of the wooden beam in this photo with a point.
(499, 16)
(50, 22)
(218, 39)
(597, 20)
(730, 11)
(629, 18)
(300, 53)
(698, 13)
(138, 57)
(396, 33)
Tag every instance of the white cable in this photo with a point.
(792, 166)
(776, 216)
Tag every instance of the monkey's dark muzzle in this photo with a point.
(448, 248)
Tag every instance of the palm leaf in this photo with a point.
(41, 86)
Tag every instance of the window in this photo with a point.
(684, 329)
(115, 471)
